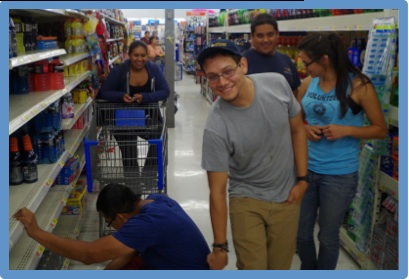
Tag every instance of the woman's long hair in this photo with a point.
(315, 45)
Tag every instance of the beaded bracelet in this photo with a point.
(221, 246)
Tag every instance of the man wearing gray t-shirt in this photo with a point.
(255, 141)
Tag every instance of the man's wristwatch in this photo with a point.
(302, 178)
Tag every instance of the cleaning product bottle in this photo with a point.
(15, 170)
(30, 160)
(12, 39)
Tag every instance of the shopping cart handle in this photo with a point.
(87, 144)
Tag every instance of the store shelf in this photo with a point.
(114, 39)
(73, 58)
(34, 56)
(112, 61)
(219, 29)
(74, 81)
(350, 247)
(22, 108)
(355, 22)
(27, 252)
(388, 185)
(393, 116)
(47, 13)
(78, 110)
(32, 195)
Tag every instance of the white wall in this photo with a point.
(145, 14)
(152, 13)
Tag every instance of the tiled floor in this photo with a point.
(187, 181)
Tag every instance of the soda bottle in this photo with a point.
(12, 39)
(15, 170)
(30, 160)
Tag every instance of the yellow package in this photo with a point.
(77, 200)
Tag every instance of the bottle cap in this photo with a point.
(27, 143)
(13, 144)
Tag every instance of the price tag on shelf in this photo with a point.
(49, 182)
(61, 163)
(348, 27)
(26, 117)
(66, 264)
(64, 201)
(53, 223)
(40, 251)
(44, 104)
(358, 27)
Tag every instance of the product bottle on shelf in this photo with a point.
(30, 160)
(12, 39)
(56, 74)
(15, 170)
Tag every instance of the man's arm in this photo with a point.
(120, 262)
(218, 214)
(103, 249)
(299, 141)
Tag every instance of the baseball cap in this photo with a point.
(216, 46)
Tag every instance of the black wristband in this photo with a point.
(302, 178)
(221, 246)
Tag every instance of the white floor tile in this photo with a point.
(187, 181)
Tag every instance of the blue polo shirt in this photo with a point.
(166, 236)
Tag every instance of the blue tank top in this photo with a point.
(335, 157)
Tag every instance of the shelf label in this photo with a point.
(359, 27)
(40, 251)
(348, 27)
(64, 201)
(61, 163)
(53, 223)
(49, 182)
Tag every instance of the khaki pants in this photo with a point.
(264, 233)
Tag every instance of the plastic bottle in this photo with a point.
(67, 28)
(18, 24)
(68, 45)
(30, 172)
(77, 28)
(15, 170)
(28, 35)
(19, 80)
(12, 39)
(56, 73)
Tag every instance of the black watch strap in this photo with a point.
(302, 178)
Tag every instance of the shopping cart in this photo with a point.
(131, 148)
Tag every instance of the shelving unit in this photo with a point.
(32, 195)
(78, 110)
(27, 253)
(22, 108)
(46, 201)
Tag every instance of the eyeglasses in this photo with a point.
(110, 222)
(309, 63)
(228, 73)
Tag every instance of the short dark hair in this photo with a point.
(116, 198)
(136, 44)
(147, 32)
(153, 37)
(263, 19)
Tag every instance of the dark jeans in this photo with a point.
(332, 195)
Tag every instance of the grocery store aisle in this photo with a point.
(187, 181)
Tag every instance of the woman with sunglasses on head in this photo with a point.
(334, 98)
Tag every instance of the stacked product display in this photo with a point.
(50, 113)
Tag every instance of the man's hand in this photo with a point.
(297, 193)
(217, 259)
(28, 219)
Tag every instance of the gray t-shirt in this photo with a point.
(254, 144)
